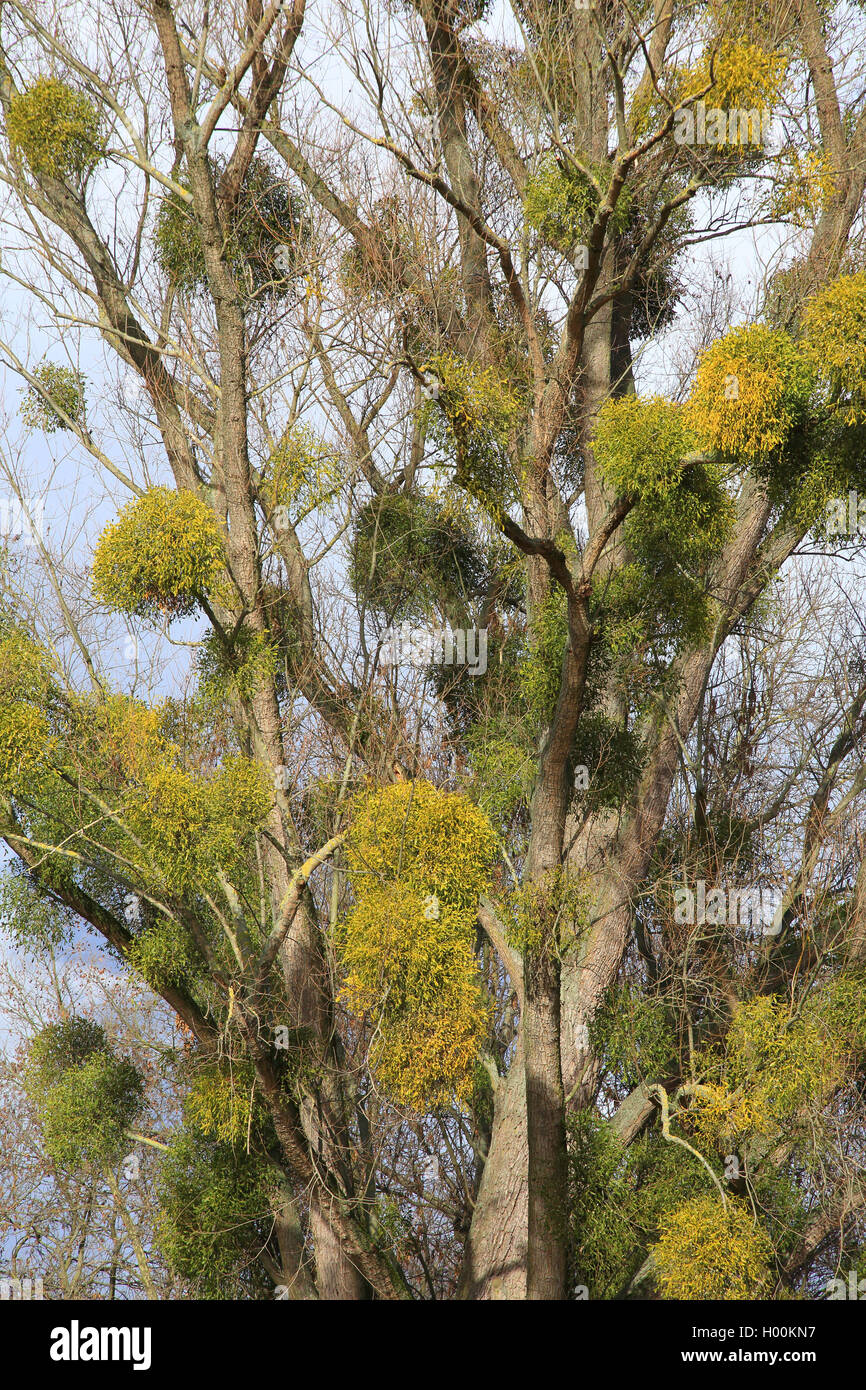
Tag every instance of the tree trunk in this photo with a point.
(545, 1110)
(494, 1264)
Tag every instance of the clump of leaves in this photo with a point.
(113, 736)
(834, 342)
(658, 602)
(85, 1095)
(165, 955)
(57, 402)
(838, 1007)
(418, 860)
(546, 915)
(720, 1118)
(742, 76)
(192, 826)
(415, 833)
(264, 235)
(160, 556)
(613, 758)
(603, 1238)
(408, 557)
(214, 1215)
(708, 1250)
(787, 1059)
(779, 1066)
(473, 421)
(817, 499)
(540, 671)
(561, 202)
(642, 444)
(410, 965)
(26, 690)
(802, 186)
(302, 473)
(622, 1202)
(751, 392)
(221, 1103)
(732, 75)
(25, 740)
(503, 772)
(33, 919)
(632, 1035)
(238, 668)
(55, 128)
(619, 1199)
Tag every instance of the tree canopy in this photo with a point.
(437, 675)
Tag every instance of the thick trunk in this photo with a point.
(336, 1276)
(545, 1111)
(494, 1264)
(293, 1274)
